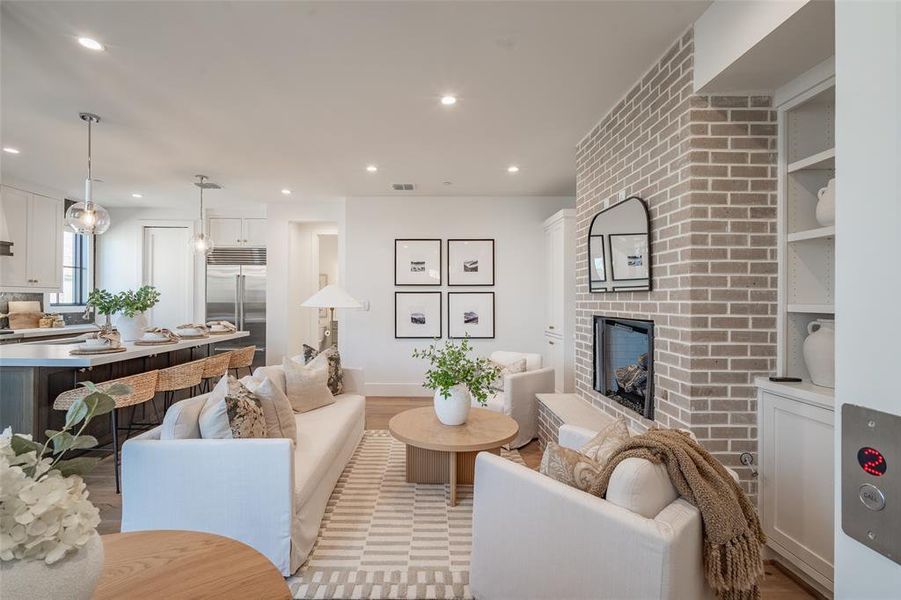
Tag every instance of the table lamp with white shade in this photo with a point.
(331, 297)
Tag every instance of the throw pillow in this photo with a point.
(601, 447)
(232, 412)
(517, 366)
(335, 373)
(181, 420)
(307, 385)
(572, 468)
(277, 411)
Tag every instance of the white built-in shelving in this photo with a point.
(823, 160)
(811, 234)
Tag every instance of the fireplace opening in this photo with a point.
(624, 362)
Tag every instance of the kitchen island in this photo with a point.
(32, 376)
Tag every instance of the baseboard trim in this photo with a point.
(397, 389)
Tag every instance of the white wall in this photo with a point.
(868, 249)
(372, 224)
(119, 252)
(289, 256)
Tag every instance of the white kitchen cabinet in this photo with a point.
(560, 305)
(34, 224)
(796, 477)
(236, 231)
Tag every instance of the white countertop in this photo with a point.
(804, 391)
(48, 331)
(57, 355)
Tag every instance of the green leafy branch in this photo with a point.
(129, 302)
(98, 402)
(451, 365)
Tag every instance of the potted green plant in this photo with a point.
(49, 547)
(104, 303)
(457, 378)
(133, 304)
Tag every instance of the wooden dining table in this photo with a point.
(178, 565)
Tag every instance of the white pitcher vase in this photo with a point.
(825, 211)
(131, 328)
(819, 352)
(454, 409)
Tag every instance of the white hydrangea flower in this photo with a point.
(41, 520)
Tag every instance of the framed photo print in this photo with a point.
(470, 262)
(417, 315)
(597, 266)
(470, 313)
(417, 262)
(629, 257)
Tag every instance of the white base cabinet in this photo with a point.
(796, 424)
(560, 307)
(34, 224)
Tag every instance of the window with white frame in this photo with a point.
(77, 263)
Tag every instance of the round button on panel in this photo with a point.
(871, 496)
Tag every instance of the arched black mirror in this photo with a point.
(619, 248)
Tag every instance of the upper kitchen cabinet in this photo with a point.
(34, 226)
(234, 231)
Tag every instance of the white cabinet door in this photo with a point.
(254, 232)
(226, 231)
(553, 239)
(797, 478)
(14, 228)
(45, 231)
(554, 352)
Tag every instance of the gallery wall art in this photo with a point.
(417, 262)
(417, 315)
(470, 262)
(470, 314)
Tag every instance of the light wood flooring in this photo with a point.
(778, 585)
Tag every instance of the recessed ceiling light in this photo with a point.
(90, 44)
(512, 169)
(448, 100)
(137, 195)
(9, 150)
(372, 168)
(286, 192)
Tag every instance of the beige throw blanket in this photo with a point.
(732, 535)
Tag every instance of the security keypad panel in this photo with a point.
(871, 479)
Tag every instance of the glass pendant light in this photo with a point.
(88, 218)
(202, 244)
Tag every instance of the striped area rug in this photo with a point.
(382, 537)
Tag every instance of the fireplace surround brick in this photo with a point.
(706, 166)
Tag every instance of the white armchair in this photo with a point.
(518, 398)
(536, 538)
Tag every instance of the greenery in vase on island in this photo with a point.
(44, 508)
(129, 302)
(451, 365)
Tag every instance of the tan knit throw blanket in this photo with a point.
(732, 534)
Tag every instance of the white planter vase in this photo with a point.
(74, 577)
(819, 352)
(825, 212)
(454, 409)
(131, 328)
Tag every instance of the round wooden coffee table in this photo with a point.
(438, 453)
(178, 565)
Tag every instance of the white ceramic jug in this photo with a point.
(819, 352)
(826, 205)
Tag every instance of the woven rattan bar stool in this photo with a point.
(213, 369)
(242, 358)
(186, 376)
(143, 387)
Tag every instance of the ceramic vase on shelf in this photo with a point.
(132, 328)
(825, 212)
(819, 352)
(75, 576)
(454, 409)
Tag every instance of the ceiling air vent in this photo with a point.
(403, 187)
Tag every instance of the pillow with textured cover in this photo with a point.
(307, 385)
(277, 411)
(335, 373)
(600, 448)
(232, 412)
(582, 469)
(517, 366)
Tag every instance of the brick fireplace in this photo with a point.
(706, 166)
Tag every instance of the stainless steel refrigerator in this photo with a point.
(236, 292)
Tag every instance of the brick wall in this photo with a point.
(706, 167)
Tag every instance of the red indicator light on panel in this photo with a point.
(872, 461)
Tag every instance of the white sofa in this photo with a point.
(261, 492)
(536, 538)
(518, 398)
